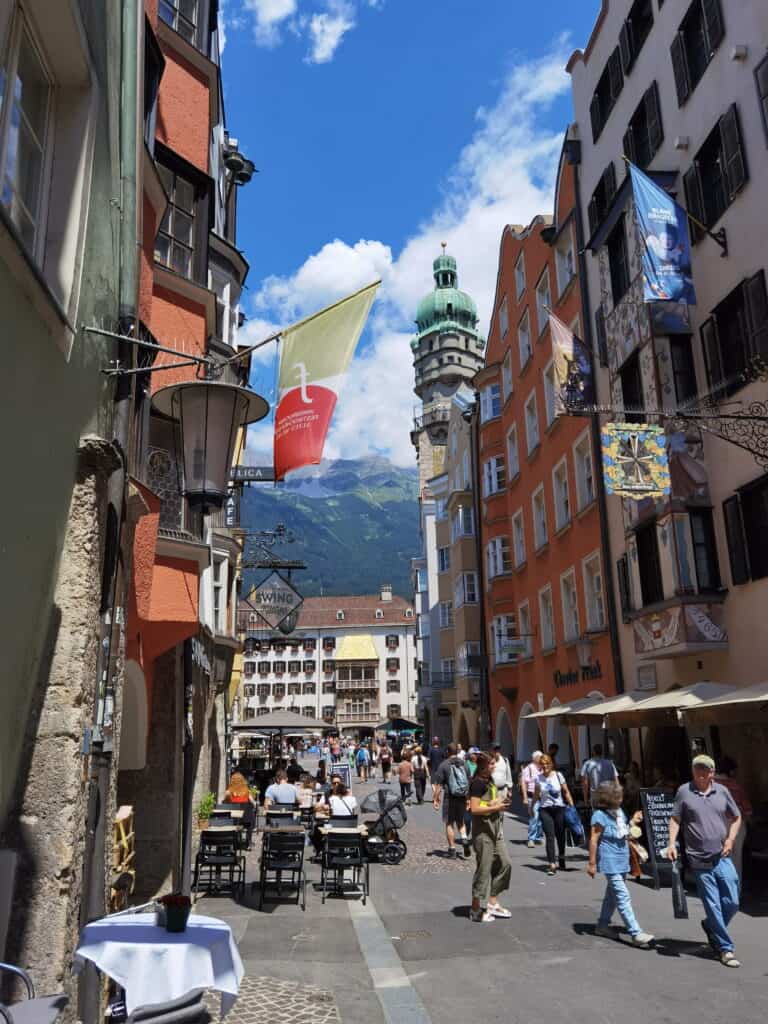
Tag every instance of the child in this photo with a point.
(609, 852)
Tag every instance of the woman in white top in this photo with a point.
(553, 794)
(341, 802)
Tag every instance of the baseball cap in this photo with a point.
(474, 750)
(705, 760)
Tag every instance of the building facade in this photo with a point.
(350, 661)
(680, 89)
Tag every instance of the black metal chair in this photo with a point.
(219, 852)
(34, 1009)
(282, 853)
(343, 821)
(344, 852)
(187, 1009)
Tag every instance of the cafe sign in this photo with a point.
(572, 676)
(274, 600)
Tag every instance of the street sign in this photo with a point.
(242, 474)
(513, 645)
(274, 600)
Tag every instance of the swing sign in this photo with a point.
(275, 599)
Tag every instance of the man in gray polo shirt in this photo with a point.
(710, 821)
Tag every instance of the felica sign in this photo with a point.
(245, 473)
(275, 599)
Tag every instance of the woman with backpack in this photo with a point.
(553, 794)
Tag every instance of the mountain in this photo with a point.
(356, 523)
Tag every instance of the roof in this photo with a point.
(358, 609)
(357, 648)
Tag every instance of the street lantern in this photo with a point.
(584, 650)
(210, 415)
(288, 624)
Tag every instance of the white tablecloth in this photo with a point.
(155, 966)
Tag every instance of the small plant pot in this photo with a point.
(202, 823)
(176, 918)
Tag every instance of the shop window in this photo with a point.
(735, 334)
(717, 174)
(649, 565)
(698, 37)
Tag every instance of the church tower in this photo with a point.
(447, 351)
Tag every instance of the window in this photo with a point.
(264, 668)
(520, 275)
(645, 133)
(467, 656)
(494, 478)
(524, 339)
(329, 686)
(309, 667)
(329, 712)
(249, 713)
(593, 592)
(443, 559)
(423, 626)
(294, 689)
(329, 667)
(632, 390)
(263, 690)
(547, 619)
(278, 691)
(490, 402)
(718, 173)
(329, 643)
(465, 471)
(498, 557)
(249, 690)
(308, 688)
(543, 301)
(524, 620)
(704, 549)
(175, 242)
(512, 453)
(393, 710)
(698, 37)
(393, 686)
(503, 318)
(446, 614)
(683, 372)
(609, 87)
(616, 244)
(309, 645)
(422, 582)
(518, 538)
(463, 522)
(392, 639)
(564, 261)
(746, 527)
(585, 479)
(570, 602)
(651, 586)
(308, 711)
(761, 80)
(339, 616)
(465, 589)
(532, 422)
(294, 667)
(278, 668)
(560, 492)
(634, 32)
(601, 337)
(540, 535)
(180, 15)
(248, 667)
(602, 198)
(549, 392)
(506, 377)
(25, 136)
(736, 332)
(625, 586)
(504, 635)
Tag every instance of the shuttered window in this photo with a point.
(634, 32)
(717, 174)
(746, 527)
(625, 593)
(644, 133)
(761, 80)
(693, 47)
(609, 86)
(618, 261)
(601, 337)
(737, 547)
(736, 333)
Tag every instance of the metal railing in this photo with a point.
(356, 684)
(365, 718)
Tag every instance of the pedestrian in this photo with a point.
(385, 760)
(435, 757)
(633, 783)
(553, 794)
(726, 776)
(420, 768)
(374, 750)
(492, 867)
(460, 751)
(596, 770)
(529, 776)
(609, 854)
(502, 774)
(451, 777)
(710, 821)
(405, 777)
(363, 759)
(293, 771)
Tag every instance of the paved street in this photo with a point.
(412, 955)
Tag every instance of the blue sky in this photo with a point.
(380, 128)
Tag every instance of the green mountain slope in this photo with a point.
(356, 524)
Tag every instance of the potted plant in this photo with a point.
(254, 791)
(174, 912)
(205, 808)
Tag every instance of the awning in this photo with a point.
(357, 648)
(558, 710)
(596, 713)
(287, 722)
(745, 704)
(664, 707)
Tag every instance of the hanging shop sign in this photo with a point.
(635, 463)
(274, 600)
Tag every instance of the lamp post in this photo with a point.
(210, 416)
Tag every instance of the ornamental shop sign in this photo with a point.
(275, 599)
(635, 463)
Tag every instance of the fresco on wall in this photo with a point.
(679, 627)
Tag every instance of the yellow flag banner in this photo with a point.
(314, 357)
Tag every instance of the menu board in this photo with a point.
(657, 807)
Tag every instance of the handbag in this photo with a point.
(640, 851)
(573, 822)
(679, 898)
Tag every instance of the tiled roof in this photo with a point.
(359, 610)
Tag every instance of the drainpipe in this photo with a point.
(597, 454)
(485, 696)
(115, 571)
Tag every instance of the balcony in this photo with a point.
(367, 718)
(345, 685)
(443, 680)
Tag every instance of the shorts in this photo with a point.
(454, 808)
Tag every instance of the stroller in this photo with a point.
(384, 843)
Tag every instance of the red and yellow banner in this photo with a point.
(314, 356)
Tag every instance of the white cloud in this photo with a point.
(327, 29)
(322, 23)
(505, 174)
(269, 17)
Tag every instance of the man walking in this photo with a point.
(710, 821)
(492, 870)
(363, 759)
(596, 769)
(529, 776)
(436, 756)
(451, 776)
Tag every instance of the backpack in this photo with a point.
(458, 784)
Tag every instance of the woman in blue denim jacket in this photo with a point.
(609, 853)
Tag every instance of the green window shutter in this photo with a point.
(710, 342)
(734, 160)
(713, 23)
(694, 199)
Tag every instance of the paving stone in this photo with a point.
(266, 1000)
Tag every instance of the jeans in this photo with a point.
(420, 782)
(492, 869)
(535, 831)
(553, 823)
(718, 889)
(617, 898)
(405, 790)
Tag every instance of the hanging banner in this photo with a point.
(663, 226)
(574, 386)
(314, 356)
(635, 463)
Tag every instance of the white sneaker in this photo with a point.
(496, 910)
(727, 959)
(643, 939)
(480, 916)
(531, 844)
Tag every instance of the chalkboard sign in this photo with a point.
(342, 769)
(657, 807)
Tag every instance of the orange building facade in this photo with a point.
(544, 569)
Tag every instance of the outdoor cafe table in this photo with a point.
(156, 966)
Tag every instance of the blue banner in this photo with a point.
(663, 224)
